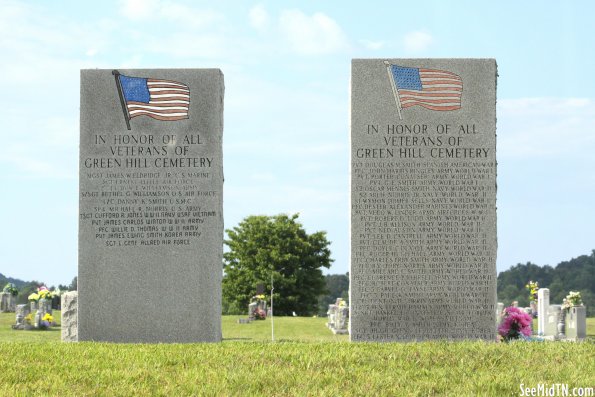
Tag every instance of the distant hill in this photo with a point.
(5, 280)
(577, 274)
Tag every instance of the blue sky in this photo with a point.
(286, 67)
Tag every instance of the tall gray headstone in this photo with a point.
(423, 199)
(151, 214)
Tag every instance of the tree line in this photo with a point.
(577, 274)
(26, 288)
(276, 251)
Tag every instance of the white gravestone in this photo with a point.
(543, 302)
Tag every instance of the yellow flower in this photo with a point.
(33, 297)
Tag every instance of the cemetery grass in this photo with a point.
(246, 363)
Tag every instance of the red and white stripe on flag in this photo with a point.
(441, 90)
(169, 101)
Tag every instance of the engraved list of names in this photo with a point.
(423, 200)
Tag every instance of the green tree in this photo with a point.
(577, 274)
(337, 286)
(27, 290)
(261, 247)
(73, 284)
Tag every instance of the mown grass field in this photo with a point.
(307, 360)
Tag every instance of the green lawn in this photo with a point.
(306, 361)
(7, 334)
(302, 329)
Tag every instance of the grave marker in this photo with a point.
(423, 199)
(151, 217)
(543, 304)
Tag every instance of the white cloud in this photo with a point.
(417, 41)
(546, 127)
(170, 11)
(259, 18)
(372, 45)
(312, 35)
(138, 9)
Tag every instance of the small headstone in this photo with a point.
(423, 199)
(331, 316)
(576, 323)
(543, 303)
(342, 320)
(499, 310)
(21, 312)
(252, 307)
(69, 316)
(552, 319)
(4, 302)
(151, 208)
(45, 307)
(338, 317)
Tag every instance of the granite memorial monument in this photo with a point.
(150, 200)
(423, 199)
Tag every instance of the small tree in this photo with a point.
(73, 284)
(261, 247)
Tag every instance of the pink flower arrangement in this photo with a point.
(515, 324)
(259, 314)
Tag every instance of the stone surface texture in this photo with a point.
(69, 316)
(552, 319)
(151, 210)
(576, 323)
(423, 199)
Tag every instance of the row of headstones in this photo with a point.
(338, 317)
(40, 308)
(557, 323)
(552, 321)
